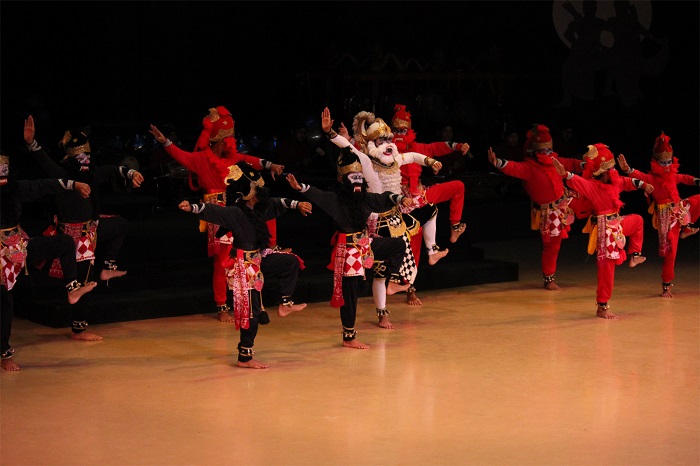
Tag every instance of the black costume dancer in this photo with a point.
(349, 207)
(246, 219)
(79, 216)
(17, 249)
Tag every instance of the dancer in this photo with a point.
(427, 198)
(17, 249)
(551, 213)
(218, 133)
(211, 166)
(354, 250)
(81, 217)
(246, 218)
(381, 162)
(609, 231)
(673, 216)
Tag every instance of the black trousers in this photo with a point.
(284, 267)
(39, 249)
(389, 251)
(248, 335)
(111, 232)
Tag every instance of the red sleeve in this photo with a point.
(685, 179)
(571, 165)
(584, 187)
(627, 183)
(519, 170)
(434, 149)
(232, 155)
(190, 160)
(641, 176)
(254, 161)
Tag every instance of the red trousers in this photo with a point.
(633, 229)
(452, 191)
(667, 271)
(550, 251)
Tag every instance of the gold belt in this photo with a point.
(221, 197)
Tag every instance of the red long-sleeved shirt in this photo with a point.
(210, 168)
(541, 187)
(664, 192)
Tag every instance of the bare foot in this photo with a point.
(285, 309)
(605, 314)
(666, 293)
(74, 296)
(636, 260)
(688, 231)
(384, 322)
(225, 317)
(9, 365)
(107, 274)
(355, 344)
(86, 336)
(412, 299)
(252, 364)
(458, 232)
(434, 258)
(551, 286)
(393, 288)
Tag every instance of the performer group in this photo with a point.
(383, 214)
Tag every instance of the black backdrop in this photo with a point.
(132, 63)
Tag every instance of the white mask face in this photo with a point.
(356, 178)
(383, 150)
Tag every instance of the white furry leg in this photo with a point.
(429, 232)
(379, 293)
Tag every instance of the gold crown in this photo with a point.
(76, 149)
(377, 129)
(355, 167)
(400, 123)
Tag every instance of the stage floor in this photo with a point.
(498, 374)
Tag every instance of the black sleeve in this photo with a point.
(106, 173)
(32, 190)
(47, 165)
(324, 200)
(227, 217)
(382, 202)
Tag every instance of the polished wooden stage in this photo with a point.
(493, 374)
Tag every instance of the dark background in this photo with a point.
(119, 66)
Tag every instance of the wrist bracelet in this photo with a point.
(34, 146)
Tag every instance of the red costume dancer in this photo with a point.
(411, 186)
(215, 128)
(551, 213)
(609, 231)
(673, 216)
(208, 163)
